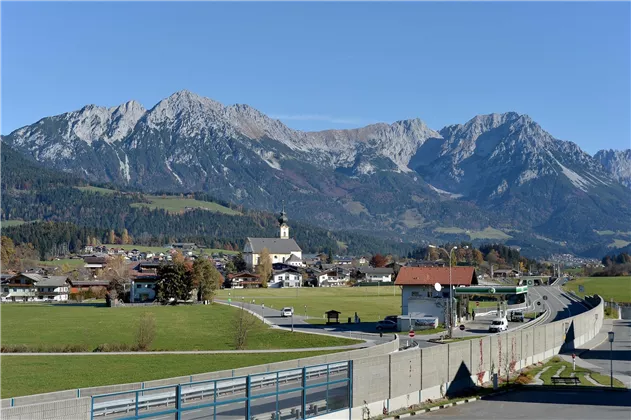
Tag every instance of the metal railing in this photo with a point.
(213, 396)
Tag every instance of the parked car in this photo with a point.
(393, 318)
(386, 324)
(287, 311)
(498, 325)
(517, 316)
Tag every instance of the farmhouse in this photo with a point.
(281, 249)
(378, 274)
(244, 280)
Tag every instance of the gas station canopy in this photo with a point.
(490, 290)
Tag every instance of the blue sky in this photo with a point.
(330, 65)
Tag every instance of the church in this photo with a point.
(281, 249)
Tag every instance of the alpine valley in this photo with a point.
(497, 177)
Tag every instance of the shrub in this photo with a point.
(114, 347)
(146, 331)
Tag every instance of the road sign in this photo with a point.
(477, 304)
(545, 297)
(411, 334)
(229, 300)
(573, 356)
(538, 303)
(461, 327)
(581, 288)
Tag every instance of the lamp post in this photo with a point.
(449, 305)
(611, 334)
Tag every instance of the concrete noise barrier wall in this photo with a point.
(71, 404)
(401, 379)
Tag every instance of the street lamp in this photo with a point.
(611, 354)
(449, 330)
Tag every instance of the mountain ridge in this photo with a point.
(500, 170)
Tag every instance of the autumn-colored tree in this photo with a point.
(7, 249)
(177, 257)
(432, 254)
(264, 268)
(492, 257)
(111, 237)
(206, 278)
(378, 260)
(125, 238)
(478, 258)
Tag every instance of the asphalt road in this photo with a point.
(620, 351)
(575, 405)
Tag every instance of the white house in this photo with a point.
(378, 274)
(281, 249)
(331, 278)
(286, 278)
(31, 287)
(294, 261)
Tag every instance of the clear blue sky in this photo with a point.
(331, 65)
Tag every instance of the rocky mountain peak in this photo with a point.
(617, 163)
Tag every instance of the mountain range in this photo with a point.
(495, 177)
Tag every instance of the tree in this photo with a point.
(432, 254)
(146, 331)
(478, 258)
(111, 237)
(243, 323)
(378, 260)
(8, 252)
(117, 272)
(125, 238)
(206, 278)
(264, 269)
(329, 258)
(176, 283)
(177, 257)
(492, 257)
(239, 263)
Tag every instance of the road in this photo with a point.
(539, 404)
(620, 352)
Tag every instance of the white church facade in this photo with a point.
(281, 249)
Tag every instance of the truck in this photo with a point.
(517, 316)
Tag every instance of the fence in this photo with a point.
(289, 394)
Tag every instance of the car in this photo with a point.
(517, 316)
(386, 324)
(393, 318)
(498, 325)
(287, 311)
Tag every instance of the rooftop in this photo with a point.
(419, 276)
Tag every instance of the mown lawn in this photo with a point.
(71, 262)
(556, 363)
(616, 288)
(195, 327)
(371, 303)
(96, 190)
(26, 375)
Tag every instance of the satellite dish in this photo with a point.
(438, 287)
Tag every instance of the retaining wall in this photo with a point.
(399, 380)
(71, 404)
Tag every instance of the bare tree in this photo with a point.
(146, 331)
(244, 323)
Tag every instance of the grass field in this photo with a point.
(618, 243)
(370, 303)
(25, 375)
(97, 190)
(9, 223)
(158, 249)
(72, 263)
(486, 233)
(616, 288)
(178, 204)
(197, 327)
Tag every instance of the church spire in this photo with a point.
(282, 219)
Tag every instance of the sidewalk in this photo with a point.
(595, 345)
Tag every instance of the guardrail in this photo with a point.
(176, 395)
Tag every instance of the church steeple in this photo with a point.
(282, 219)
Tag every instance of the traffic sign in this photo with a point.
(411, 334)
(545, 297)
(538, 303)
(573, 356)
(461, 327)
(229, 300)
(477, 304)
(581, 288)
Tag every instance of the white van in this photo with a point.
(498, 325)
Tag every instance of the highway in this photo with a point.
(620, 352)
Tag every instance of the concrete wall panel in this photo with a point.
(434, 366)
(371, 379)
(76, 409)
(405, 372)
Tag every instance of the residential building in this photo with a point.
(244, 280)
(281, 249)
(77, 286)
(184, 246)
(378, 274)
(419, 297)
(32, 287)
(289, 277)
